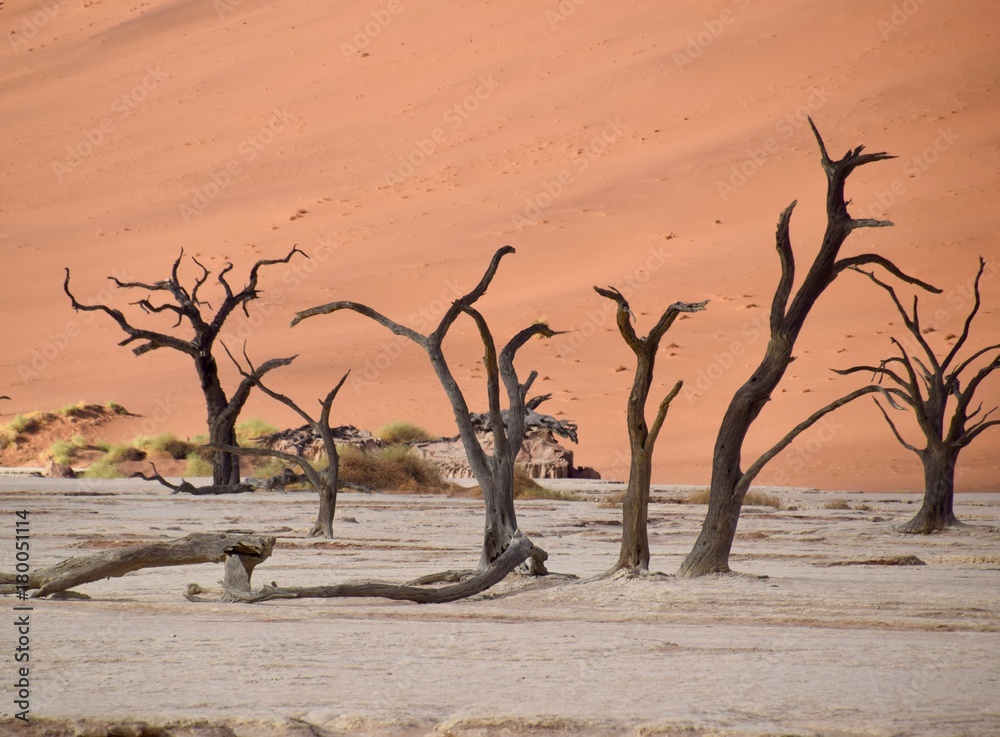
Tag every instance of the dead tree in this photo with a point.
(326, 481)
(730, 482)
(240, 552)
(519, 550)
(187, 306)
(186, 487)
(642, 437)
(927, 385)
(494, 472)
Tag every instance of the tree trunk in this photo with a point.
(635, 512)
(197, 547)
(710, 553)
(327, 504)
(936, 512)
(501, 519)
(225, 466)
(520, 549)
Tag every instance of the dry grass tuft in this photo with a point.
(753, 498)
(396, 433)
(396, 468)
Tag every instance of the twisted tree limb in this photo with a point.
(516, 553)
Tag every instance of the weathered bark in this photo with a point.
(730, 482)
(937, 510)
(222, 411)
(494, 472)
(642, 438)
(519, 550)
(928, 386)
(199, 547)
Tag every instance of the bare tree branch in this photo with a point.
(661, 415)
(895, 431)
(516, 553)
(751, 473)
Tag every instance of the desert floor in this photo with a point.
(792, 645)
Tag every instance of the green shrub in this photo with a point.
(396, 468)
(197, 465)
(72, 410)
(25, 423)
(116, 408)
(102, 469)
(247, 430)
(166, 445)
(123, 452)
(62, 452)
(403, 432)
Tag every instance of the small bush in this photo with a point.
(102, 445)
(752, 499)
(396, 468)
(62, 452)
(403, 432)
(166, 445)
(102, 469)
(247, 430)
(836, 504)
(78, 441)
(25, 423)
(123, 452)
(697, 497)
(197, 465)
(762, 499)
(72, 410)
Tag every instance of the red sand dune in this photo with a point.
(649, 145)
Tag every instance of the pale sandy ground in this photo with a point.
(788, 647)
(158, 99)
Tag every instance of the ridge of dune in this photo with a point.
(648, 145)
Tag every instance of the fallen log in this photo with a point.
(241, 554)
(186, 487)
(520, 549)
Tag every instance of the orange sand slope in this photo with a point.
(649, 146)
